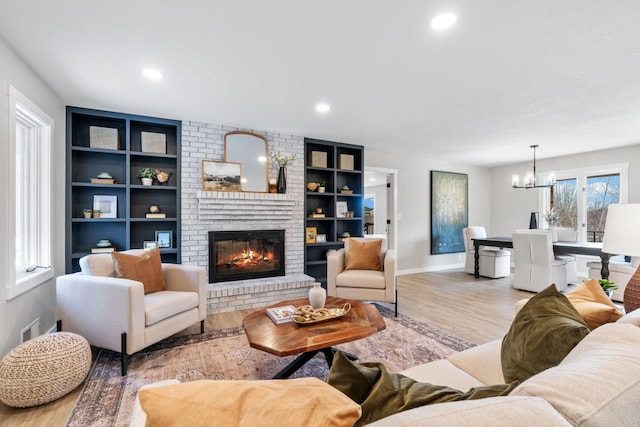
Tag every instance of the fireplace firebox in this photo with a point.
(241, 255)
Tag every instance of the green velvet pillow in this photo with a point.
(543, 332)
(381, 393)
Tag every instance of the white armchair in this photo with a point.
(535, 264)
(493, 262)
(367, 285)
(114, 313)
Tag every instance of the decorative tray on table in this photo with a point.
(305, 315)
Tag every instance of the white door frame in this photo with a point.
(392, 204)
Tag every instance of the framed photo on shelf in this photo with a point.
(149, 244)
(164, 239)
(221, 176)
(341, 209)
(107, 205)
(311, 233)
(321, 238)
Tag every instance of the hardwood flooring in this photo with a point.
(478, 310)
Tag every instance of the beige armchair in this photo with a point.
(362, 284)
(114, 313)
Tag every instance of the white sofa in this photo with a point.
(620, 272)
(597, 384)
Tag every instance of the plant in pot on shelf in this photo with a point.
(87, 213)
(96, 213)
(146, 175)
(322, 186)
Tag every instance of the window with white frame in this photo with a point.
(31, 132)
(581, 197)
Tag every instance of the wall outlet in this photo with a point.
(32, 330)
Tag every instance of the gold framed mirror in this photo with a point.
(251, 151)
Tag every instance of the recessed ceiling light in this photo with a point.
(443, 21)
(152, 74)
(323, 108)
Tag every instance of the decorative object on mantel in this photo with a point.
(317, 296)
(272, 186)
(552, 219)
(221, 176)
(282, 161)
(530, 178)
(103, 178)
(146, 175)
(162, 176)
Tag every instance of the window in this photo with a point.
(30, 177)
(581, 198)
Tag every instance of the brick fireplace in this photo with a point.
(205, 211)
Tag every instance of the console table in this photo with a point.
(572, 248)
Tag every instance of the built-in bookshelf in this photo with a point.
(120, 145)
(338, 165)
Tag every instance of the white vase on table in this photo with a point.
(317, 296)
(554, 233)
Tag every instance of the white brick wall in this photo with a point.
(204, 211)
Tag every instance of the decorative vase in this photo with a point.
(282, 180)
(554, 233)
(147, 181)
(317, 296)
(533, 221)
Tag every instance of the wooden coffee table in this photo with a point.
(286, 339)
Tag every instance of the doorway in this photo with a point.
(380, 202)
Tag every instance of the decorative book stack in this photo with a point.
(281, 314)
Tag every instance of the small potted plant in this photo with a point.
(607, 286)
(87, 213)
(322, 186)
(346, 190)
(96, 213)
(146, 175)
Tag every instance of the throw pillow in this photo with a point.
(543, 332)
(593, 304)
(145, 268)
(381, 393)
(298, 401)
(364, 254)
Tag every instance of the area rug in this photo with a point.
(107, 397)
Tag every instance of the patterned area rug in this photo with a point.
(107, 398)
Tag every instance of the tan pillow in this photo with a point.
(299, 401)
(593, 304)
(364, 254)
(145, 268)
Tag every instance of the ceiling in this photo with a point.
(558, 73)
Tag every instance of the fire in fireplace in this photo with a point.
(240, 255)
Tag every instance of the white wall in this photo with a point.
(39, 302)
(512, 207)
(414, 207)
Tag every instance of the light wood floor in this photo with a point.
(478, 310)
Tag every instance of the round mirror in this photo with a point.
(251, 151)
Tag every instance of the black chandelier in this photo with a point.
(530, 178)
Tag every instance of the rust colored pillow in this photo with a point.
(593, 304)
(145, 268)
(364, 254)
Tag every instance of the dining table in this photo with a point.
(559, 248)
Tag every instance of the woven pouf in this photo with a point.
(43, 369)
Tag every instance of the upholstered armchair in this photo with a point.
(115, 313)
(363, 270)
(535, 264)
(493, 262)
